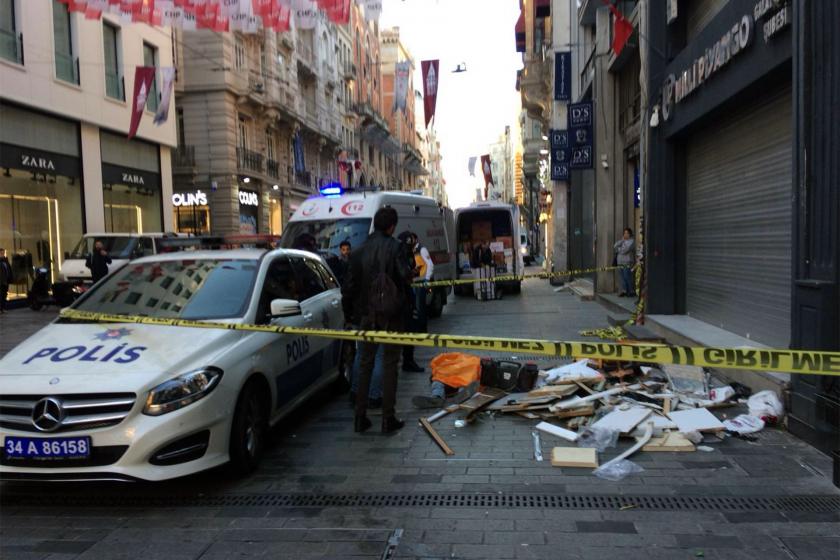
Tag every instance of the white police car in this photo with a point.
(92, 400)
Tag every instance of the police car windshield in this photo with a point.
(117, 247)
(328, 234)
(185, 289)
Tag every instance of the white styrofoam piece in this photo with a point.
(557, 431)
(696, 420)
(662, 423)
(623, 420)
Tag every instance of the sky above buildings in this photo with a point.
(473, 107)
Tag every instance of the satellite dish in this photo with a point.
(461, 68)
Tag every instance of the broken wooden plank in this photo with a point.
(441, 413)
(528, 415)
(563, 390)
(480, 401)
(436, 436)
(588, 410)
(577, 402)
(672, 441)
(696, 420)
(623, 420)
(557, 431)
(574, 457)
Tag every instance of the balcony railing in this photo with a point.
(67, 68)
(272, 169)
(183, 156)
(11, 46)
(303, 179)
(248, 160)
(114, 86)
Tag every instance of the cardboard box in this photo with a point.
(496, 247)
(482, 232)
(507, 241)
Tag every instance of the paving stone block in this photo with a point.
(454, 537)
(708, 541)
(606, 527)
(514, 537)
(483, 551)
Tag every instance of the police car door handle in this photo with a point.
(307, 316)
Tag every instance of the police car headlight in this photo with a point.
(182, 391)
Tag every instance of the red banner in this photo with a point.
(143, 78)
(488, 175)
(430, 69)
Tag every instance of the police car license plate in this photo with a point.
(47, 448)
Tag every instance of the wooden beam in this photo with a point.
(436, 436)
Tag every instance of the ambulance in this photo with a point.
(332, 220)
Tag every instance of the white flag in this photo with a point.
(471, 166)
(373, 9)
(306, 13)
(162, 114)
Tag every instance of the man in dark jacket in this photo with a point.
(381, 253)
(5, 279)
(98, 262)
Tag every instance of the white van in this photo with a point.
(492, 224)
(121, 247)
(349, 217)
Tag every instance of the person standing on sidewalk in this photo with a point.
(374, 294)
(425, 269)
(625, 257)
(98, 262)
(5, 279)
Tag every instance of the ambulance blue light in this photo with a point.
(332, 190)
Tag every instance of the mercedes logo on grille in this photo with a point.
(47, 414)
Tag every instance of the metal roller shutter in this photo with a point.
(739, 223)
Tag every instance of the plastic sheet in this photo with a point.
(617, 470)
(767, 406)
(744, 424)
(598, 438)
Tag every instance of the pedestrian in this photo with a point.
(5, 279)
(306, 242)
(343, 264)
(625, 257)
(98, 262)
(425, 269)
(374, 294)
(407, 242)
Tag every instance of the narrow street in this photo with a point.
(325, 492)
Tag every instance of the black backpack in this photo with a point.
(384, 298)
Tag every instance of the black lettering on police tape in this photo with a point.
(689, 356)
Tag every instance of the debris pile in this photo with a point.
(590, 404)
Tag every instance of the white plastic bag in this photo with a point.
(576, 370)
(744, 424)
(721, 394)
(617, 470)
(599, 438)
(767, 406)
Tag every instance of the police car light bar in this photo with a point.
(332, 189)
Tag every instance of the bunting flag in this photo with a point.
(162, 114)
(471, 165)
(430, 87)
(622, 29)
(246, 16)
(143, 78)
(401, 73)
(373, 9)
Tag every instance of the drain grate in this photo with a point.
(816, 504)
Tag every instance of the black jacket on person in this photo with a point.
(5, 272)
(98, 265)
(365, 265)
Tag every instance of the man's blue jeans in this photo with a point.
(375, 380)
(627, 280)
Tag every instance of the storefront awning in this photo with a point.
(520, 33)
(542, 8)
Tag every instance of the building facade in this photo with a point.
(65, 109)
(260, 125)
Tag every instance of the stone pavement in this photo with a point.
(316, 455)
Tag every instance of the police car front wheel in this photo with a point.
(249, 430)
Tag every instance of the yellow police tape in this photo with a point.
(514, 277)
(790, 361)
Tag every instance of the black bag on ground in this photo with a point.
(500, 374)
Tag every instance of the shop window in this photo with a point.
(11, 42)
(41, 219)
(114, 84)
(132, 209)
(150, 59)
(66, 64)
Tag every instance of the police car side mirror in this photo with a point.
(284, 308)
